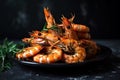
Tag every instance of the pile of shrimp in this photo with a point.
(66, 42)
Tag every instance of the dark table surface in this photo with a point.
(109, 69)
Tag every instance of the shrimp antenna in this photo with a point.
(72, 18)
(62, 16)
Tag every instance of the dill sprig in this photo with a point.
(8, 50)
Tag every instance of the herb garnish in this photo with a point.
(53, 27)
(8, 50)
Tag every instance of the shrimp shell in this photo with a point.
(53, 55)
(80, 27)
(90, 46)
(33, 41)
(79, 53)
(83, 35)
(78, 56)
(29, 52)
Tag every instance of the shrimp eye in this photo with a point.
(53, 47)
(58, 38)
(68, 27)
(39, 34)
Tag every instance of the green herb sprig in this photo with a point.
(8, 50)
(53, 27)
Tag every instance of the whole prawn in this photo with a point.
(90, 46)
(69, 32)
(28, 52)
(33, 41)
(50, 54)
(73, 52)
(42, 37)
(75, 27)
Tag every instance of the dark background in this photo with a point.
(19, 17)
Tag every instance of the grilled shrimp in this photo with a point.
(75, 27)
(80, 27)
(69, 32)
(65, 22)
(38, 34)
(49, 55)
(83, 35)
(49, 18)
(73, 52)
(35, 34)
(28, 52)
(42, 37)
(51, 37)
(33, 41)
(90, 46)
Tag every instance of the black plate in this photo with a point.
(104, 53)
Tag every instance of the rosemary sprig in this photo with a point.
(8, 50)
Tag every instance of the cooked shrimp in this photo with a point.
(69, 32)
(28, 52)
(78, 56)
(35, 37)
(32, 41)
(68, 42)
(80, 27)
(38, 34)
(42, 37)
(90, 46)
(73, 52)
(35, 34)
(51, 37)
(65, 22)
(49, 18)
(50, 55)
(84, 35)
(76, 27)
